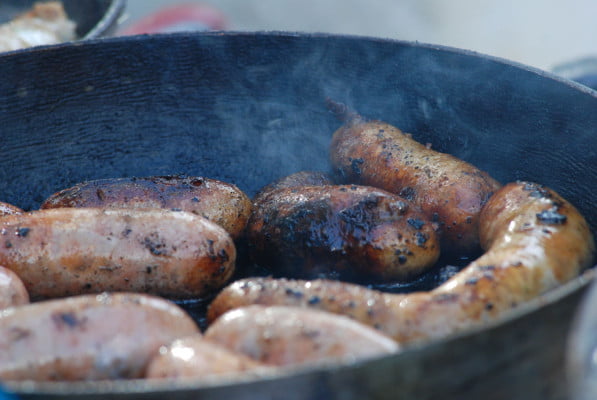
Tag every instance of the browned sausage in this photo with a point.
(283, 336)
(9, 209)
(535, 241)
(351, 232)
(220, 202)
(90, 337)
(68, 251)
(12, 289)
(448, 190)
(298, 179)
(198, 358)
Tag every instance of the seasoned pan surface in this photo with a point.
(249, 108)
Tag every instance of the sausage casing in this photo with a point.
(298, 179)
(283, 336)
(12, 289)
(69, 251)
(448, 190)
(220, 202)
(91, 337)
(535, 239)
(351, 232)
(9, 209)
(198, 358)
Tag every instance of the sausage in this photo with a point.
(90, 337)
(298, 179)
(12, 289)
(283, 336)
(69, 251)
(220, 202)
(448, 190)
(535, 241)
(349, 232)
(9, 209)
(198, 358)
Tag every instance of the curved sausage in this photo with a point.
(283, 336)
(69, 251)
(12, 289)
(220, 202)
(448, 190)
(106, 336)
(198, 358)
(535, 241)
(350, 232)
(9, 209)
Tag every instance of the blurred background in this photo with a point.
(540, 33)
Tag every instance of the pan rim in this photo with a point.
(117, 7)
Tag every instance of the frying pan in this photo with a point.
(94, 18)
(248, 108)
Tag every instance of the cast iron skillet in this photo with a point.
(250, 107)
(94, 18)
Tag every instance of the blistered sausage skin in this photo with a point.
(12, 289)
(448, 190)
(350, 232)
(91, 337)
(220, 202)
(69, 251)
(535, 241)
(298, 179)
(282, 336)
(198, 358)
(9, 209)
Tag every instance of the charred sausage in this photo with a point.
(220, 202)
(283, 336)
(198, 358)
(535, 241)
(448, 190)
(350, 232)
(9, 209)
(69, 251)
(12, 289)
(106, 336)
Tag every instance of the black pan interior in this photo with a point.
(250, 108)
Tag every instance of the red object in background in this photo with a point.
(180, 17)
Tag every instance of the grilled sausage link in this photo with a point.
(9, 209)
(69, 251)
(106, 336)
(535, 241)
(198, 358)
(12, 289)
(220, 202)
(448, 190)
(283, 336)
(351, 232)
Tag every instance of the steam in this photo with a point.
(251, 108)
